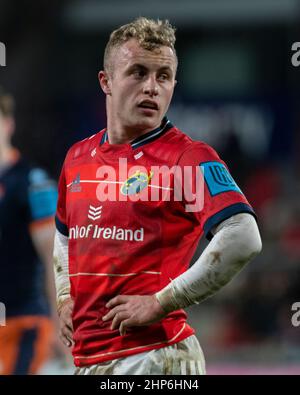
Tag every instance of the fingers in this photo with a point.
(120, 299)
(132, 310)
(65, 316)
(66, 337)
(119, 315)
(110, 315)
(67, 331)
(66, 325)
(67, 321)
(124, 325)
(118, 318)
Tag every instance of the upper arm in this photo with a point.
(241, 228)
(221, 196)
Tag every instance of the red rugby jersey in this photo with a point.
(129, 235)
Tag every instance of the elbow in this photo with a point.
(250, 244)
(259, 245)
(252, 235)
(255, 245)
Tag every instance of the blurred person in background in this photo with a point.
(120, 297)
(27, 205)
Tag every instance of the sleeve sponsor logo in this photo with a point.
(218, 178)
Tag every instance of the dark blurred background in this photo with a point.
(237, 90)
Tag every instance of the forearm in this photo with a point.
(235, 243)
(61, 268)
(42, 237)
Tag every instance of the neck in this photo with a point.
(121, 134)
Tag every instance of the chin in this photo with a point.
(148, 122)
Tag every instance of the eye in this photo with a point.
(139, 73)
(163, 77)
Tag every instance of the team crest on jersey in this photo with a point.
(218, 178)
(75, 186)
(136, 183)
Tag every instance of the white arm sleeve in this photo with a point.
(236, 242)
(61, 268)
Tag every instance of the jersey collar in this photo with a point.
(147, 137)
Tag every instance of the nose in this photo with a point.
(150, 87)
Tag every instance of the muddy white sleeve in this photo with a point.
(61, 268)
(236, 241)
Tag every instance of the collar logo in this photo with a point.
(136, 183)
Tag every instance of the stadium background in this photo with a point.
(237, 90)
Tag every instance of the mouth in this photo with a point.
(148, 105)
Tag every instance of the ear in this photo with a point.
(104, 81)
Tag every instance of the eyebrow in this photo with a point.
(143, 67)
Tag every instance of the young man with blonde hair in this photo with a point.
(121, 256)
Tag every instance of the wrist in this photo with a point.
(61, 301)
(166, 299)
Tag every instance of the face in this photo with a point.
(6, 129)
(141, 86)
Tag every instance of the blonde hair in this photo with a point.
(149, 33)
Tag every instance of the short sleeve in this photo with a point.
(61, 217)
(219, 194)
(42, 195)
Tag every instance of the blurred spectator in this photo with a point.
(27, 204)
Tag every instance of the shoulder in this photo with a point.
(83, 147)
(37, 176)
(23, 173)
(42, 194)
(35, 189)
(190, 150)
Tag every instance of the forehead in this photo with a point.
(131, 52)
